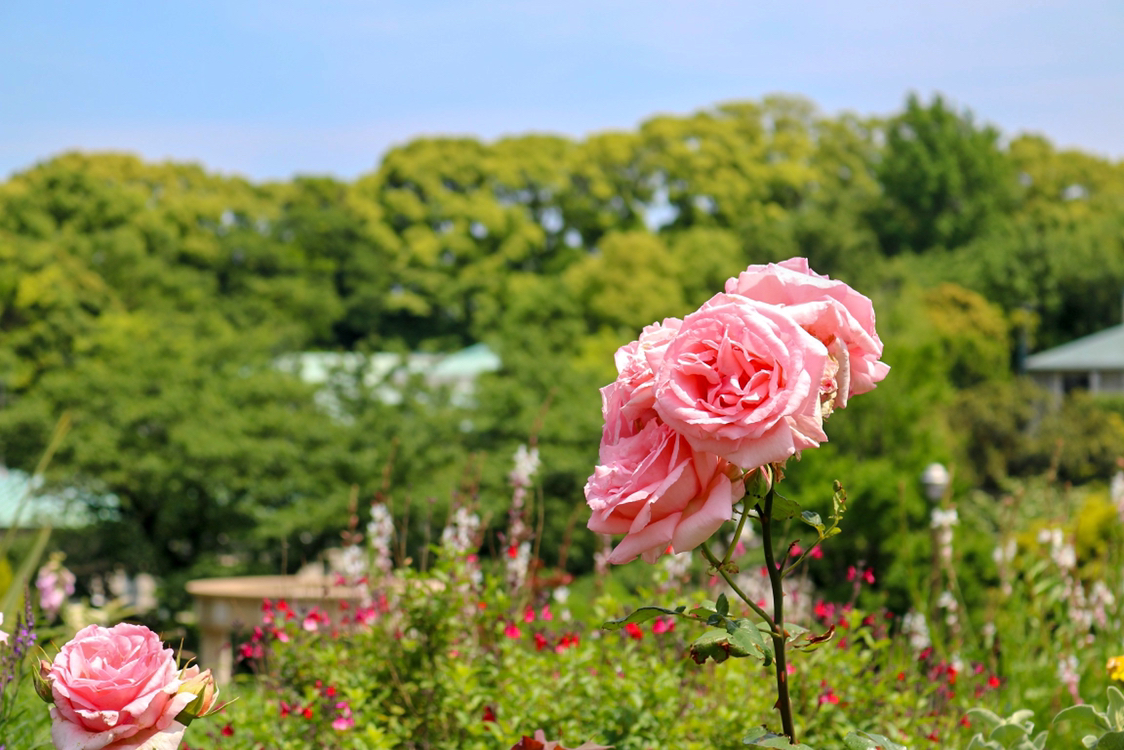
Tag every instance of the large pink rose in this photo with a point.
(742, 379)
(831, 311)
(117, 688)
(627, 403)
(658, 492)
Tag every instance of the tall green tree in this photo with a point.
(945, 180)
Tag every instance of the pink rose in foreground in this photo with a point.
(656, 490)
(117, 688)
(741, 379)
(831, 311)
(627, 403)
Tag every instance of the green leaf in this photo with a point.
(641, 615)
(748, 638)
(761, 737)
(1085, 713)
(813, 519)
(1115, 708)
(868, 741)
(985, 717)
(1111, 741)
(1005, 734)
(722, 606)
(784, 509)
(838, 501)
(794, 631)
(719, 646)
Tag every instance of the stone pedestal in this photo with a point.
(226, 605)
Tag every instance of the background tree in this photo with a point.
(944, 179)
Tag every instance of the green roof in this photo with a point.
(37, 509)
(1100, 351)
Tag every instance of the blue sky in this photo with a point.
(272, 88)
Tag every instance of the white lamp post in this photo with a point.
(936, 479)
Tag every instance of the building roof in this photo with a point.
(1103, 350)
(386, 373)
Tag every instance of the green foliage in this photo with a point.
(1109, 722)
(449, 664)
(1014, 732)
(945, 181)
(154, 300)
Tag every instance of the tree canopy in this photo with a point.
(152, 302)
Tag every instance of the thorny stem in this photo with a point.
(730, 582)
(776, 576)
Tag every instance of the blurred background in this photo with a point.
(266, 264)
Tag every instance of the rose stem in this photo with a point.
(737, 532)
(776, 578)
(714, 561)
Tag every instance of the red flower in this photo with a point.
(568, 640)
(634, 631)
(489, 714)
(228, 731)
(540, 641)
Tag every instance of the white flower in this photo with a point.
(677, 565)
(944, 519)
(1101, 595)
(517, 565)
(1005, 553)
(917, 630)
(526, 464)
(380, 536)
(1065, 557)
(460, 535)
(1053, 537)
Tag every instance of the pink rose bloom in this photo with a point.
(627, 403)
(656, 490)
(742, 380)
(831, 311)
(116, 688)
